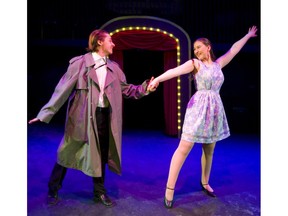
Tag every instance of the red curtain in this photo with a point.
(149, 40)
(152, 40)
(170, 95)
(117, 56)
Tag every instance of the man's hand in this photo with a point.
(153, 84)
(33, 120)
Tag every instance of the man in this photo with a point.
(93, 129)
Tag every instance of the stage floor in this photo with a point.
(139, 191)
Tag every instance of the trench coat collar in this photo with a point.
(89, 60)
(110, 77)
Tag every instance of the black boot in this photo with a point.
(55, 183)
(52, 197)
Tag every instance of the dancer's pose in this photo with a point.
(205, 120)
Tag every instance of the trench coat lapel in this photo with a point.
(90, 65)
(110, 77)
(92, 75)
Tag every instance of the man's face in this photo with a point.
(107, 45)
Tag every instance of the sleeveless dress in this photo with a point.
(205, 119)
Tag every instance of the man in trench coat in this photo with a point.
(93, 127)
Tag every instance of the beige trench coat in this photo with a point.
(79, 147)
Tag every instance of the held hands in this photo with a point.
(252, 31)
(153, 84)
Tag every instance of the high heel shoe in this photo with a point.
(167, 203)
(209, 193)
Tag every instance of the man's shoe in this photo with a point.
(104, 199)
(52, 199)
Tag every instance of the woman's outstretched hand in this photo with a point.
(252, 31)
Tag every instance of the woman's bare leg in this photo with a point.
(177, 161)
(206, 164)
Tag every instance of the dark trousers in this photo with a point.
(59, 172)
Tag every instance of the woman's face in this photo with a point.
(201, 51)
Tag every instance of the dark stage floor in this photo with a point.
(139, 191)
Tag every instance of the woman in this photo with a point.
(205, 120)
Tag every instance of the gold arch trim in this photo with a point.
(178, 48)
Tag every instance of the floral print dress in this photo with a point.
(205, 119)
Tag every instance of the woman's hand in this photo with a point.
(153, 84)
(252, 31)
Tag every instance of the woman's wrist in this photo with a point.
(156, 80)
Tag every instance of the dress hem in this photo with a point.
(204, 140)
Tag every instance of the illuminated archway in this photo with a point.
(174, 38)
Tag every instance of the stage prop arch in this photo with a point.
(152, 33)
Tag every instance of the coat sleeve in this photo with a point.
(131, 90)
(134, 91)
(61, 93)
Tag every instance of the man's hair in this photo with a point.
(96, 35)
